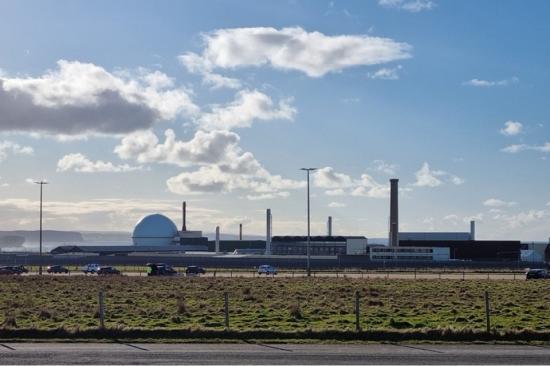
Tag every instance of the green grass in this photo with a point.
(283, 305)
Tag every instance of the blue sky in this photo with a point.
(449, 96)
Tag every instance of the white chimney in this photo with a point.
(268, 233)
(217, 250)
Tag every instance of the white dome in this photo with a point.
(155, 229)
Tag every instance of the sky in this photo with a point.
(127, 108)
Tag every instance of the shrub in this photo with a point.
(181, 306)
(9, 321)
(295, 311)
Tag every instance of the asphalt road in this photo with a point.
(268, 354)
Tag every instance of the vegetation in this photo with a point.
(276, 305)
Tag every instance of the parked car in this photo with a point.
(267, 269)
(102, 271)
(57, 269)
(90, 268)
(537, 273)
(160, 269)
(9, 270)
(194, 271)
(20, 268)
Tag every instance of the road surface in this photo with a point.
(269, 354)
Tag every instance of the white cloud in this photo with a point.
(495, 202)
(313, 53)
(511, 128)
(414, 6)
(384, 167)
(336, 205)
(386, 73)
(327, 178)
(522, 219)
(335, 192)
(80, 163)
(369, 187)
(197, 65)
(9, 147)
(490, 83)
(223, 165)
(512, 149)
(426, 177)
(267, 196)
(82, 98)
(2, 183)
(248, 106)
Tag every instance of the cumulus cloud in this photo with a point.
(427, 177)
(512, 149)
(12, 148)
(312, 53)
(495, 202)
(339, 184)
(336, 205)
(522, 219)
(385, 167)
(490, 83)
(511, 128)
(327, 178)
(267, 196)
(223, 165)
(386, 73)
(414, 6)
(197, 65)
(247, 107)
(80, 163)
(83, 98)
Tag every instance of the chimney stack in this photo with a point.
(217, 249)
(394, 213)
(183, 211)
(268, 233)
(329, 226)
(240, 231)
(472, 230)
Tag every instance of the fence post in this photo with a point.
(415, 274)
(101, 310)
(462, 275)
(488, 311)
(357, 325)
(226, 309)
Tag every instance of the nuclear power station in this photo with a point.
(157, 233)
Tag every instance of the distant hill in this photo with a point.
(20, 237)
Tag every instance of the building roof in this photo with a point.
(314, 238)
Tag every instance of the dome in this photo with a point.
(155, 229)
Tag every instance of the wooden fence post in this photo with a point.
(357, 325)
(488, 311)
(226, 309)
(101, 310)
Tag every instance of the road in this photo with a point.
(364, 275)
(266, 354)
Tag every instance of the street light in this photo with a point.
(308, 221)
(41, 182)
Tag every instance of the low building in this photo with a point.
(386, 253)
(319, 245)
(475, 250)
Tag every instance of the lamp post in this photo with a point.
(41, 182)
(308, 221)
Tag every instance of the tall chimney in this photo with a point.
(240, 231)
(394, 213)
(183, 211)
(472, 230)
(329, 226)
(268, 233)
(217, 249)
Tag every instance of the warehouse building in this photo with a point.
(319, 245)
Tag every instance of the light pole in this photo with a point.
(308, 221)
(41, 182)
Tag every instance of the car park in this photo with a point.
(537, 273)
(160, 269)
(108, 270)
(57, 269)
(90, 268)
(194, 271)
(267, 269)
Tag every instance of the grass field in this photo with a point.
(272, 304)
